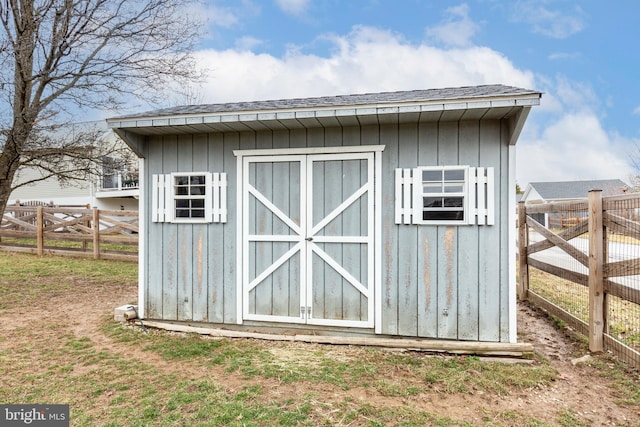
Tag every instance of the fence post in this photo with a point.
(596, 272)
(96, 233)
(39, 230)
(523, 243)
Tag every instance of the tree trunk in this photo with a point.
(9, 162)
(23, 116)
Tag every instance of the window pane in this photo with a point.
(197, 203)
(182, 213)
(197, 180)
(454, 175)
(182, 191)
(182, 180)
(432, 202)
(453, 188)
(432, 188)
(197, 213)
(453, 202)
(197, 191)
(443, 215)
(182, 203)
(432, 175)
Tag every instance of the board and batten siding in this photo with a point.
(446, 282)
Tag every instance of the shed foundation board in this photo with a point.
(521, 350)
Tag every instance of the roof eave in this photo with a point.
(300, 117)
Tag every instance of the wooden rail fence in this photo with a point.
(605, 217)
(101, 234)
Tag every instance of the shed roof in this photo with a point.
(471, 102)
(560, 190)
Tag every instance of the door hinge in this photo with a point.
(305, 312)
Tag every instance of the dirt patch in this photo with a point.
(579, 390)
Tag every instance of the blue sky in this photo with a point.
(582, 54)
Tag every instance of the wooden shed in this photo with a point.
(383, 214)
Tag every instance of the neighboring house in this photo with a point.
(379, 214)
(117, 188)
(543, 192)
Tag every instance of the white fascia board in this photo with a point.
(286, 115)
(479, 104)
(456, 106)
(345, 112)
(177, 121)
(305, 115)
(409, 109)
(228, 118)
(211, 119)
(197, 120)
(266, 116)
(370, 111)
(503, 103)
(161, 121)
(252, 117)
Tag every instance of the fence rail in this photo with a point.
(101, 234)
(586, 270)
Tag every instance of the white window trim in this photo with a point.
(207, 197)
(419, 195)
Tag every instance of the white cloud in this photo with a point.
(575, 147)
(365, 60)
(564, 56)
(576, 95)
(456, 30)
(557, 24)
(293, 7)
(247, 43)
(636, 111)
(213, 16)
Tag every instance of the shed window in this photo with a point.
(445, 195)
(189, 196)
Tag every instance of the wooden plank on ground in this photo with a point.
(437, 346)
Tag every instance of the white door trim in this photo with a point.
(373, 239)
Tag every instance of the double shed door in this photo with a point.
(308, 239)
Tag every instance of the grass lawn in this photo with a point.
(59, 344)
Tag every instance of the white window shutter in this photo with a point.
(404, 196)
(219, 196)
(481, 196)
(160, 198)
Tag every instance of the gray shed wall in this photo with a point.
(437, 281)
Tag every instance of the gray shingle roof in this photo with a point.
(446, 94)
(577, 189)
